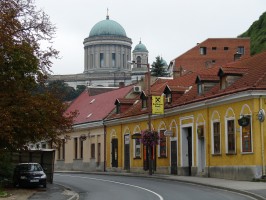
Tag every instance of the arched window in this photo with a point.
(138, 62)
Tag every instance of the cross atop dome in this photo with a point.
(107, 16)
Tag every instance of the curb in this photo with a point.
(75, 195)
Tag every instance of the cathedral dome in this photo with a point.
(164, 62)
(140, 48)
(107, 28)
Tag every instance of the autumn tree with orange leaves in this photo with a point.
(26, 115)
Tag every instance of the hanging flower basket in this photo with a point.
(149, 138)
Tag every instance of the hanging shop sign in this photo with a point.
(244, 121)
(157, 105)
(168, 133)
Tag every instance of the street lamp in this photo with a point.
(149, 109)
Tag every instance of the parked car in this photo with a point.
(29, 174)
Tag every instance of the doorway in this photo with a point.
(126, 152)
(99, 155)
(187, 150)
(174, 157)
(115, 152)
(201, 155)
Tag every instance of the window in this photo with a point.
(81, 149)
(61, 150)
(214, 48)
(223, 82)
(101, 60)
(231, 136)
(124, 61)
(92, 150)
(200, 90)
(137, 148)
(226, 48)
(168, 98)
(216, 138)
(162, 144)
(43, 145)
(91, 61)
(203, 50)
(113, 60)
(246, 137)
(241, 50)
(138, 62)
(127, 63)
(75, 148)
(118, 108)
(144, 103)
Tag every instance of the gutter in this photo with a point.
(104, 151)
(262, 143)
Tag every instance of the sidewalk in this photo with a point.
(250, 188)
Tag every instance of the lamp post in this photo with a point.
(149, 110)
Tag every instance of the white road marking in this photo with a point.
(142, 188)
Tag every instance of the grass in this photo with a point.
(3, 193)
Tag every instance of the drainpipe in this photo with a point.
(104, 151)
(207, 144)
(262, 144)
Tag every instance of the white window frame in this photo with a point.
(226, 134)
(159, 145)
(212, 134)
(135, 148)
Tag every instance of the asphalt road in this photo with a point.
(105, 187)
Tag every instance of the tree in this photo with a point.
(63, 90)
(158, 68)
(257, 34)
(27, 115)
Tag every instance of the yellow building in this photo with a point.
(213, 125)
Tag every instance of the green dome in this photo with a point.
(164, 62)
(140, 48)
(106, 28)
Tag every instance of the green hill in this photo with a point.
(257, 34)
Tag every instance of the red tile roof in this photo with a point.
(253, 77)
(95, 108)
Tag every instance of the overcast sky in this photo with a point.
(168, 28)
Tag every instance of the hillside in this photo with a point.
(257, 34)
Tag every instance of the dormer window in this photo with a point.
(144, 100)
(168, 98)
(118, 110)
(200, 88)
(223, 83)
(206, 82)
(144, 103)
(168, 95)
(229, 75)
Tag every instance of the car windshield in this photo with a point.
(29, 167)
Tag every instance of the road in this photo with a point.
(104, 187)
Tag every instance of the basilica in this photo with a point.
(107, 52)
